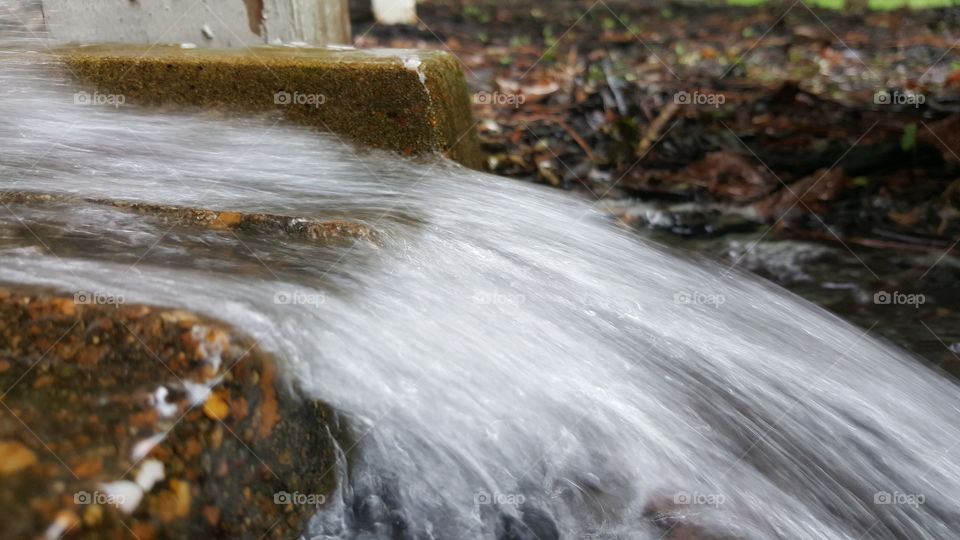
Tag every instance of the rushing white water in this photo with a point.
(512, 365)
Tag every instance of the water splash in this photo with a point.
(513, 366)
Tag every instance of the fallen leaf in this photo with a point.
(15, 457)
(268, 409)
(211, 514)
(216, 407)
(226, 220)
(731, 175)
(181, 490)
(804, 194)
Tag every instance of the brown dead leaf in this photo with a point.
(181, 490)
(730, 175)
(227, 220)
(66, 306)
(89, 357)
(86, 468)
(216, 407)
(269, 415)
(805, 194)
(908, 218)
(944, 135)
(211, 514)
(14, 457)
(534, 91)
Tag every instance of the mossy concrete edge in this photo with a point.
(408, 101)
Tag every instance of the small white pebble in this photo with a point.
(197, 393)
(142, 448)
(59, 526)
(159, 401)
(412, 63)
(123, 494)
(151, 472)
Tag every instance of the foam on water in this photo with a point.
(511, 364)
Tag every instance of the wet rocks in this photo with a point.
(263, 223)
(270, 224)
(120, 420)
(678, 522)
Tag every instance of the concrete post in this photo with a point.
(220, 24)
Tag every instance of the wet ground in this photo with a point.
(908, 298)
(816, 148)
(121, 418)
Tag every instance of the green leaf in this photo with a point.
(908, 141)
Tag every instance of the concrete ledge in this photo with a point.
(412, 102)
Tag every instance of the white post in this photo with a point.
(395, 11)
(218, 24)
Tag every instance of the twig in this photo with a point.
(653, 132)
(871, 242)
(576, 137)
(528, 118)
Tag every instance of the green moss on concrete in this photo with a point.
(412, 102)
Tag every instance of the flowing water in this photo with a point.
(511, 364)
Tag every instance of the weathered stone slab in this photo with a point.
(412, 102)
(239, 23)
(128, 421)
(328, 232)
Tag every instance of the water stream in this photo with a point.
(512, 364)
